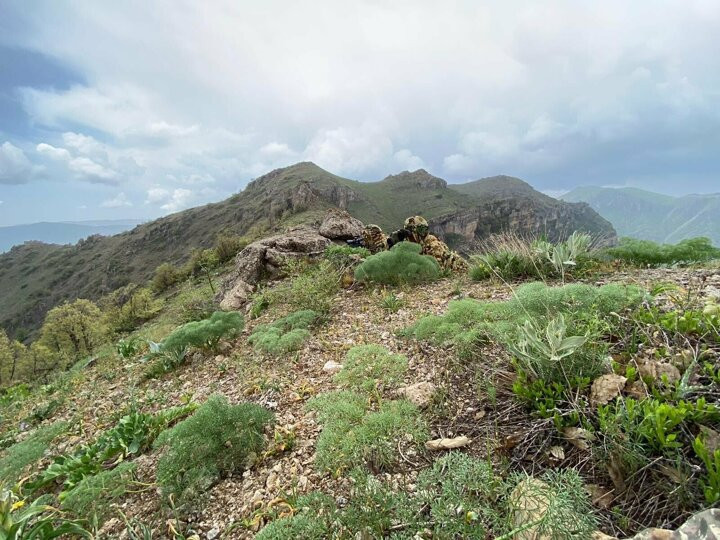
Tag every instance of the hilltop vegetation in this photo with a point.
(35, 277)
(323, 411)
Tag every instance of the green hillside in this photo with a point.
(653, 216)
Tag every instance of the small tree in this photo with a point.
(202, 262)
(166, 276)
(73, 330)
(227, 246)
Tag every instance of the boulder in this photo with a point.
(419, 394)
(339, 225)
(237, 296)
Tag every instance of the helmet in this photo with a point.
(417, 225)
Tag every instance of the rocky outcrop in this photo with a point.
(339, 225)
(264, 258)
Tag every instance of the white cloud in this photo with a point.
(405, 159)
(92, 171)
(180, 199)
(53, 152)
(118, 201)
(15, 167)
(156, 195)
(84, 144)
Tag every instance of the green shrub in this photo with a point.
(391, 302)
(313, 520)
(92, 497)
(127, 308)
(22, 454)
(227, 246)
(205, 334)
(165, 277)
(216, 440)
(284, 335)
(127, 348)
(35, 520)
(344, 256)
(711, 459)
(647, 253)
(468, 322)
(371, 368)
(355, 436)
(308, 287)
(401, 264)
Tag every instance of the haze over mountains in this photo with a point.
(653, 216)
(38, 276)
(61, 232)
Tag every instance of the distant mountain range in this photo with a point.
(652, 216)
(34, 277)
(65, 232)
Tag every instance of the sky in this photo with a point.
(137, 109)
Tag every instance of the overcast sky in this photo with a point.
(141, 108)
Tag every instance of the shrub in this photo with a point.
(227, 246)
(401, 264)
(165, 277)
(391, 302)
(344, 256)
(371, 368)
(284, 335)
(647, 253)
(355, 436)
(92, 497)
(309, 287)
(215, 441)
(205, 334)
(127, 348)
(22, 454)
(313, 520)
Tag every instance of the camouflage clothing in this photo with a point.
(702, 526)
(418, 230)
(374, 239)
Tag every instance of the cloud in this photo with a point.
(179, 200)
(119, 201)
(156, 195)
(92, 171)
(53, 152)
(15, 167)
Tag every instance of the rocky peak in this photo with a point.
(417, 179)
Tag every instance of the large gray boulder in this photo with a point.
(339, 225)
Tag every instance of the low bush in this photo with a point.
(344, 256)
(205, 334)
(92, 497)
(166, 276)
(128, 348)
(227, 246)
(284, 335)
(21, 454)
(129, 307)
(216, 440)
(402, 264)
(647, 253)
(354, 435)
(371, 368)
(391, 302)
(308, 287)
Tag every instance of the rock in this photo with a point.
(636, 390)
(600, 496)
(529, 502)
(237, 296)
(712, 439)
(606, 388)
(657, 534)
(264, 257)
(331, 366)
(339, 225)
(419, 394)
(655, 370)
(578, 437)
(213, 533)
(448, 444)
(599, 535)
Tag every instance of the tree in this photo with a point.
(6, 357)
(166, 276)
(73, 330)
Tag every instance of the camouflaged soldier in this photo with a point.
(374, 239)
(419, 233)
(702, 526)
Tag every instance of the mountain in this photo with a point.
(652, 216)
(36, 276)
(67, 232)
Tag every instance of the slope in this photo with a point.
(60, 233)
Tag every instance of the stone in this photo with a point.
(578, 437)
(448, 444)
(606, 388)
(213, 533)
(331, 366)
(419, 394)
(339, 225)
(237, 296)
(655, 370)
(529, 502)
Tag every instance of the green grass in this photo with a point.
(284, 335)
(22, 454)
(371, 368)
(647, 253)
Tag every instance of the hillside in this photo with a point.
(60, 233)
(38, 276)
(653, 216)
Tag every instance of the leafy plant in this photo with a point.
(34, 521)
(344, 256)
(309, 287)
(284, 335)
(128, 348)
(216, 440)
(354, 435)
(403, 263)
(391, 302)
(711, 484)
(165, 277)
(647, 253)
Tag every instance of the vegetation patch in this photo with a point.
(402, 264)
(310, 286)
(371, 368)
(648, 253)
(22, 454)
(354, 435)
(216, 440)
(284, 335)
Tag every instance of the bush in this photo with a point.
(227, 246)
(215, 441)
(165, 277)
(284, 335)
(93, 496)
(22, 454)
(401, 264)
(201, 262)
(344, 256)
(647, 253)
(309, 287)
(205, 334)
(371, 368)
(355, 436)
